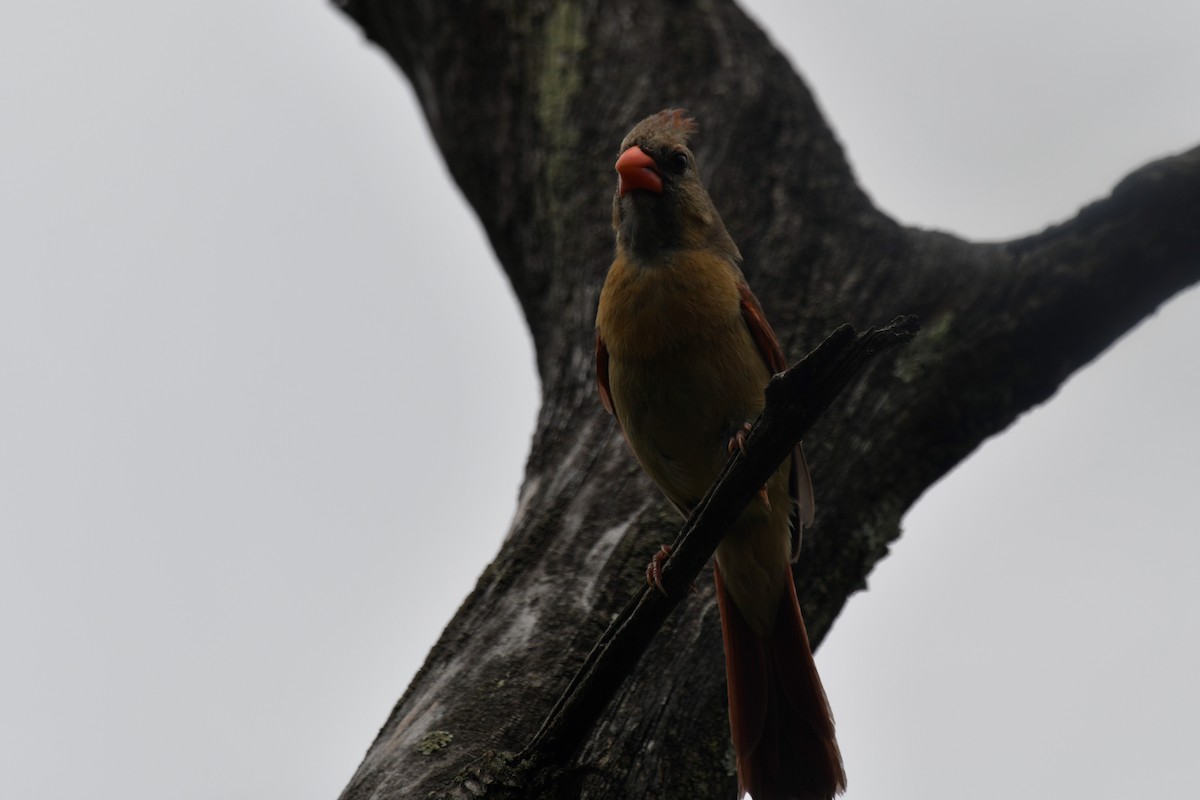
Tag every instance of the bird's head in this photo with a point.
(660, 204)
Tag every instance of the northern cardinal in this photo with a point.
(683, 355)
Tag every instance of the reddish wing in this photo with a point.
(602, 376)
(760, 329)
(772, 353)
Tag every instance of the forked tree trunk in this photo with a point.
(528, 102)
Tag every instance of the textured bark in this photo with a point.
(528, 102)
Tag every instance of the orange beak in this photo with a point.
(637, 171)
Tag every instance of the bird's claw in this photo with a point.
(738, 440)
(762, 494)
(654, 570)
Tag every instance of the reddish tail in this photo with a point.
(779, 717)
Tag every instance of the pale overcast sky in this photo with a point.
(242, 486)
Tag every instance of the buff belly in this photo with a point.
(679, 410)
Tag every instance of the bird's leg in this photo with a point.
(738, 440)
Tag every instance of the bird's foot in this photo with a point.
(654, 570)
(738, 441)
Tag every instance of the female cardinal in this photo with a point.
(683, 354)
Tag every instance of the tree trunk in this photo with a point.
(528, 102)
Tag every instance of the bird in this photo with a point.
(683, 355)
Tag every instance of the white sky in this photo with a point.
(246, 475)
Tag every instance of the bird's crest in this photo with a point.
(678, 120)
(669, 125)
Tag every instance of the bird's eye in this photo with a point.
(677, 161)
